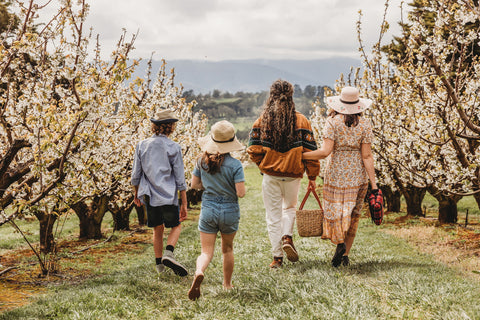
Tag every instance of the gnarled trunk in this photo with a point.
(142, 215)
(194, 197)
(121, 213)
(47, 240)
(91, 214)
(392, 198)
(447, 206)
(414, 198)
(477, 199)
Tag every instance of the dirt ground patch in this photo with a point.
(78, 260)
(454, 245)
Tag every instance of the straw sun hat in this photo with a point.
(349, 101)
(220, 139)
(164, 116)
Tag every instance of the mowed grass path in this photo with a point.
(387, 279)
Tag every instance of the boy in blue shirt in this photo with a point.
(157, 176)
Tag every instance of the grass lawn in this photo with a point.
(388, 279)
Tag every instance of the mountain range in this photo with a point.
(253, 75)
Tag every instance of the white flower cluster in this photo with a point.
(81, 116)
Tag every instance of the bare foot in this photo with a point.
(194, 292)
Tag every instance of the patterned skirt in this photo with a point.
(342, 206)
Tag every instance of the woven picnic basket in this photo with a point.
(310, 222)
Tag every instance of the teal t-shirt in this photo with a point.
(221, 183)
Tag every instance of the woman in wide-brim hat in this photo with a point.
(347, 138)
(222, 179)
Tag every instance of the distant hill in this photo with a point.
(253, 75)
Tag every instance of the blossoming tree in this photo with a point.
(69, 121)
(426, 110)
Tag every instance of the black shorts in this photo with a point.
(169, 215)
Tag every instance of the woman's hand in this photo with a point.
(312, 185)
(323, 152)
(311, 155)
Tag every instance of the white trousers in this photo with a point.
(280, 199)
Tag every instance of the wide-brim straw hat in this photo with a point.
(220, 139)
(164, 116)
(349, 101)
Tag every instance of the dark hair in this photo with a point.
(212, 162)
(351, 120)
(163, 128)
(279, 119)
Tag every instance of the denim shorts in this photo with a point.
(219, 214)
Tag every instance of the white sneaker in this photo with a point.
(160, 268)
(169, 261)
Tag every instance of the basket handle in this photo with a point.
(306, 197)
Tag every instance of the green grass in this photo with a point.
(226, 100)
(66, 227)
(387, 279)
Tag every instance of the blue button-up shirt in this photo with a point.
(158, 170)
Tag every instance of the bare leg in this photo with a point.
(174, 235)
(208, 245)
(348, 243)
(158, 240)
(352, 232)
(228, 259)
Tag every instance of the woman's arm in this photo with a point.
(323, 152)
(240, 188)
(196, 182)
(367, 157)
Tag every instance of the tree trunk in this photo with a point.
(121, 215)
(91, 215)
(47, 240)
(392, 198)
(194, 197)
(414, 197)
(477, 199)
(447, 206)
(142, 215)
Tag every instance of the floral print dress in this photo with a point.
(345, 179)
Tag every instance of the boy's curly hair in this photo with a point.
(164, 128)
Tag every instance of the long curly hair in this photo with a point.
(278, 124)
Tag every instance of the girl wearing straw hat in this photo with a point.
(347, 137)
(222, 178)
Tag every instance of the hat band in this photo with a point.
(233, 138)
(349, 102)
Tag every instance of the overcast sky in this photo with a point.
(240, 29)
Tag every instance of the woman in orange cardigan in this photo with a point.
(277, 140)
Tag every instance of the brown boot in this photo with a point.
(276, 263)
(289, 248)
